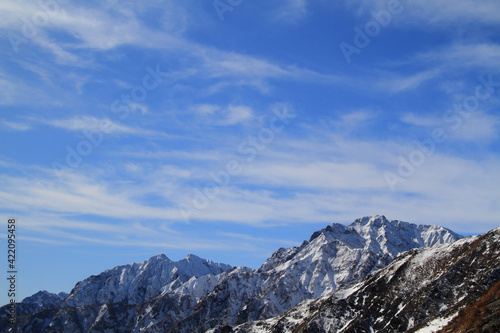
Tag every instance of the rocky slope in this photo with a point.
(422, 290)
(196, 295)
(40, 301)
(480, 315)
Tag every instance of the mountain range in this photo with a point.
(391, 276)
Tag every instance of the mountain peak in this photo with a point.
(159, 257)
(43, 296)
(376, 221)
(136, 283)
(193, 257)
(363, 225)
(335, 228)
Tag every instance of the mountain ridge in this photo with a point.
(196, 295)
(159, 273)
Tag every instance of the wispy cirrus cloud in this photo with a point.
(397, 83)
(462, 11)
(78, 195)
(89, 123)
(91, 31)
(477, 127)
(298, 180)
(438, 13)
(66, 230)
(101, 28)
(290, 11)
(16, 126)
(224, 116)
(482, 55)
(412, 119)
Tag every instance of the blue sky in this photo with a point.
(135, 128)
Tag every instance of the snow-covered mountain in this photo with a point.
(448, 288)
(334, 257)
(139, 282)
(114, 298)
(196, 295)
(40, 301)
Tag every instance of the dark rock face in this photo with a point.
(480, 315)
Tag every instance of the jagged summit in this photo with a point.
(192, 256)
(376, 220)
(388, 236)
(138, 282)
(159, 257)
(44, 297)
(335, 228)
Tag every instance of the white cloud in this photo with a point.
(329, 178)
(15, 91)
(396, 84)
(315, 175)
(93, 30)
(412, 119)
(205, 155)
(223, 116)
(465, 55)
(248, 70)
(290, 11)
(310, 179)
(101, 28)
(63, 56)
(205, 109)
(351, 121)
(479, 127)
(15, 126)
(436, 13)
(476, 127)
(77, 195)
(67, 230)
(235, 114)
(88, 123)
(460, 11)
(143, 109)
